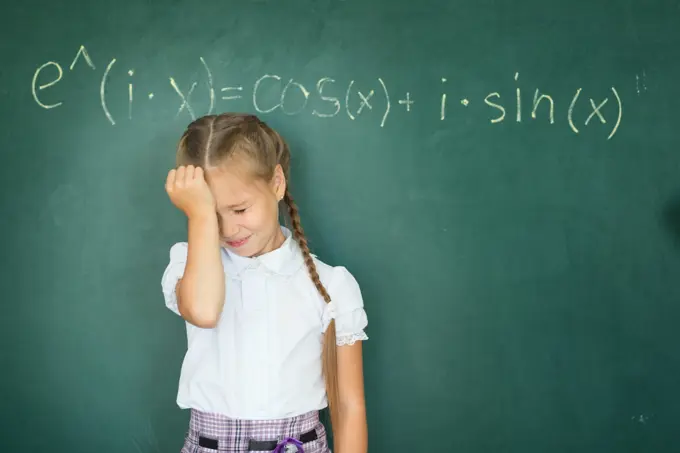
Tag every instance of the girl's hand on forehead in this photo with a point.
(189, 192)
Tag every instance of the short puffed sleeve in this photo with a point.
(173, 272)
(346, 307)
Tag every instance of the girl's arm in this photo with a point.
(353, 430)
(200, 292)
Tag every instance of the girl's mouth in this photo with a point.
(238, 243)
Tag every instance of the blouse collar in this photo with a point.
(284, 260)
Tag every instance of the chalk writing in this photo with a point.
(537, 101)
(82, 51)
(102, 91)
(407, 102)
(293, 97)
(210, 85)
(336, 102)
(442, 115)
(131, 72)
(235, 96)
(47, 85)
(640, 81)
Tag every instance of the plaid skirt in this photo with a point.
(216, 433)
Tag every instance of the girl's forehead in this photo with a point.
(232, 185)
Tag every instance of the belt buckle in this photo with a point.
(289, 445)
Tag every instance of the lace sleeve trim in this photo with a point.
(350, 339)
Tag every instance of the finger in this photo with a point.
(170, 180)
(198, 173)
(189, 174)
(179, 178)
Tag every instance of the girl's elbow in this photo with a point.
(205, 322)
(205, 319)
(200, 314)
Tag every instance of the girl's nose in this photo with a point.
(229, 229)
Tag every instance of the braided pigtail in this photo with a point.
(329, 358)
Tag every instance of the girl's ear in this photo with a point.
(279, 182)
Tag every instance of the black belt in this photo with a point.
(257, 445)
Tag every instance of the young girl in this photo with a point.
(274, 334)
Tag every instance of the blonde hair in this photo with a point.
(208, 142)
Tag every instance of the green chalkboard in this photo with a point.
(502, 178)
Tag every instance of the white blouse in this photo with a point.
(263, 359)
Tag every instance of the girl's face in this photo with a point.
(247, 208)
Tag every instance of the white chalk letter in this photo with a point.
(302, 89)
(537, 101)
(499, 107)
(47, 85)
(335, 101)
(255, 88)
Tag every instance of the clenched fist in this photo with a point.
(188, 190)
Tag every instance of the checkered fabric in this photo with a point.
(233, 434)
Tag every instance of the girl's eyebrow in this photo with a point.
(237, 205)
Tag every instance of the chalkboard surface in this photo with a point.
(502, 178)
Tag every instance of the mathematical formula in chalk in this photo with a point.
(340, 98)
